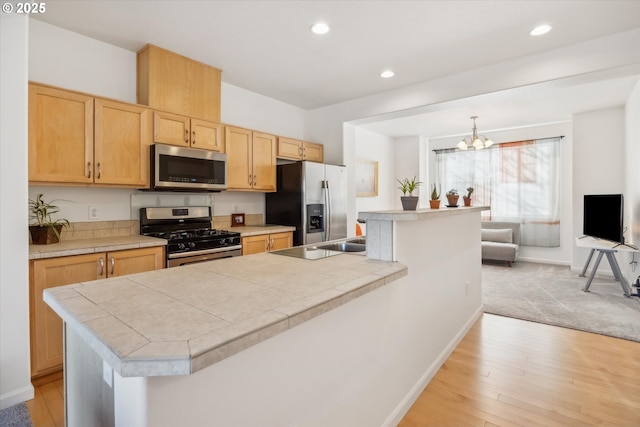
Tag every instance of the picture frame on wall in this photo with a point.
(366, 178)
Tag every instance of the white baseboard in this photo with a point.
(17, 396)
(543, 261)
(405, 404)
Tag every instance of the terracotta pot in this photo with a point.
(44, 235)
(466, 200)
(409, 203)
(435, 204)
(453, 200)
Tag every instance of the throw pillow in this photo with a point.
(500, 235)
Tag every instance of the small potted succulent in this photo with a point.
(452, 197)
(434, 202)
(467, 199)
(43, 229)
(407, 186)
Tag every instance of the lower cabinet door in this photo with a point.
(132, 261)
(46, 325)
(255, 244)
(281, 241)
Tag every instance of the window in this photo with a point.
(519, 180)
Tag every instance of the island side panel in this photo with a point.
(89, 400)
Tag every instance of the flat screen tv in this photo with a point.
(603, 217)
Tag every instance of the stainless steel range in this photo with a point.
(189, 234)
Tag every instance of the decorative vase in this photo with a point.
(409, 203)
(452, 200)
(466, 200)
(435, 204)
(41, 235)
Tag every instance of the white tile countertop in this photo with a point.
(257, 230)
(90, 246)
(177, 321)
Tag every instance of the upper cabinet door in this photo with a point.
(239, 159)
(264, 162)
(289, 148)
(207, 135)
(60, 136)
(171, 129)
(313, 152)
(122, 140)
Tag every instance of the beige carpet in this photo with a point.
(553, 295)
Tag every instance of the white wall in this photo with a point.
(375, 147)
(632, 172)
(15, 376)
(598, 166)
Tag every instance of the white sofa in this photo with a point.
(500, 241)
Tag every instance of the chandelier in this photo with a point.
(474, 141)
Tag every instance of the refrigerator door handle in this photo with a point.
(327, 203)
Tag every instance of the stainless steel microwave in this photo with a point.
(187, 169)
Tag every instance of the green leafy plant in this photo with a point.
(452, 192)
(408, 186)
(435, 194)
(40, 215)
(469, 191)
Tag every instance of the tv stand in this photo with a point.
(605, 248)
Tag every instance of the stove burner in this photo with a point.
(187, 230)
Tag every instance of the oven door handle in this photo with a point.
(205, 251)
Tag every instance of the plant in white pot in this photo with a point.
(43, 229)
(407, 186)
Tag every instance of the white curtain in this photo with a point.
(519, 180)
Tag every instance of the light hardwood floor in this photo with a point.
(505, 372)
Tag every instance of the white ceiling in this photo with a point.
(266, 47)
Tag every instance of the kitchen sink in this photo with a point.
(343, 247)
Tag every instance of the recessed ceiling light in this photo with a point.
(320, 28)
(540, 30)
(387, 74)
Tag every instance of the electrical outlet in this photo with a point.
(466, 287)
(94, 213)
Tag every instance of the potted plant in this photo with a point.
(434, 202)
(452, 197)
(410, 202)
(43, 229)
(467, 199)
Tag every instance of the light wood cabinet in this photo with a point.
(78, 139)
(266, 243)
(60, 136)
(251, 159)
(46, 326)
(295, 149)
(171, 82)
(122, 137)
(180, 130)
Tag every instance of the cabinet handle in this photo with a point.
(88, 169)
(272, 243)
(266, 244)
(193, 139)
(113, 265)
(255, 180)
(99, 171)
(300, 151)
(186, 137)
(304, 152)
(250, 179)
(101, 267)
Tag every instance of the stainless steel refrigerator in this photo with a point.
(311, 197)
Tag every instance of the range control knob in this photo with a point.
(181, 246)
(192, 245)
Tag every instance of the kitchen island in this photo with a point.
(273, 340)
